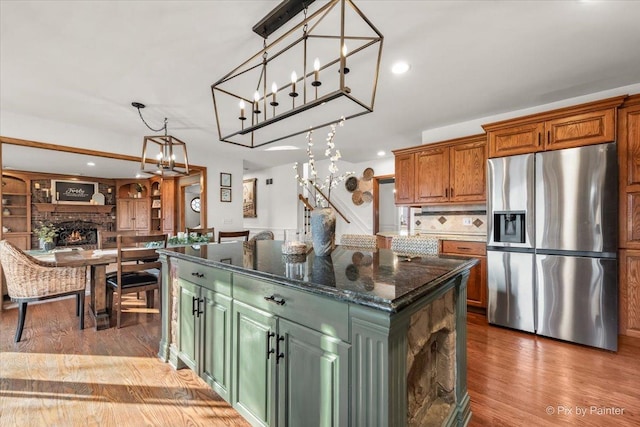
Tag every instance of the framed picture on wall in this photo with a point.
(225, 179)
(225, 194)
(249, 198)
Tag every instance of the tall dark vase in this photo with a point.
(323, 231)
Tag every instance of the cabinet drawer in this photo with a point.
(208, 277)
(464, 247)
(323, 314)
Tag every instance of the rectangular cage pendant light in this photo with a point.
(324, 68)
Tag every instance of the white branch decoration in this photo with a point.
(312, 183)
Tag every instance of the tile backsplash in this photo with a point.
(443, 222)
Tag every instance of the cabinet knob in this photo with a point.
(275, 300)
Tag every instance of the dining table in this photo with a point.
(97, 260)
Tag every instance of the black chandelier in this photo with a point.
(169, 148)
(321, 70)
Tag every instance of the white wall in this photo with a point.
(277, 203)
(219, 214)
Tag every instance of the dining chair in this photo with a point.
(136, 261)
(209, 232)
(29, 279)
(230, 234)
(107, 239)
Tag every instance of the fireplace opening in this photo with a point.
(76, 233)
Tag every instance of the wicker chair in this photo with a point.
(362, 241)
(263, 235)
(31, 280)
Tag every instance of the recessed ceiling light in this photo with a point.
(381, 153)
(90, 164)
(281, 148)
(400, 67)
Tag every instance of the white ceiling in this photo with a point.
(84, 62)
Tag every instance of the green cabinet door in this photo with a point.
(313, 378)
(187, 341)
(252, 369)
(215, 333)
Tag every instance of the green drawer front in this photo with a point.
(208, 277)
(314, 311)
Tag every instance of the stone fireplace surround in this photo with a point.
(79, 229)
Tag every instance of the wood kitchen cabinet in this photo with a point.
(405, 178)
(585, 124)
(163, 205)
(629, 293)
(629, 214)
(16, 210)
(477, 284)
(168, 200)
(16, 215)
(447, 172)
(133, 214)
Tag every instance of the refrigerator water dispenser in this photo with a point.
(509, 226)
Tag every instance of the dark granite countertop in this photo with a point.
(377, 279)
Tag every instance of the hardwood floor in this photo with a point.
(59, 375)
(519, 379)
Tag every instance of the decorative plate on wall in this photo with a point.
(351, 184)
(356, 197)
(367, 174)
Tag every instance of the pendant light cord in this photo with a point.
(147, 124)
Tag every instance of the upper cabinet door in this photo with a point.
(405, 179)
(629, 176)
(468, 172)
(521, 139)
(432, 171)
(582, 129)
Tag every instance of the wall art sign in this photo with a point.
(73, 192)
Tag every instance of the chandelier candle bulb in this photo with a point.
(256, 105)
(241, 105)
(316, 71)
(274, 90)
(294, 77)
(344, 55)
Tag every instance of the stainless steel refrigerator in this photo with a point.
(552, 242)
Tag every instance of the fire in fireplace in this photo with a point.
(73, 233)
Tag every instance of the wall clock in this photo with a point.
(195, 204)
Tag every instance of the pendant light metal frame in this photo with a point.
(165, 164)
(265, 111)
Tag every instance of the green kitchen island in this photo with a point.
(358, 338)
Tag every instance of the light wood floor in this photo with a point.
(61, 376)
